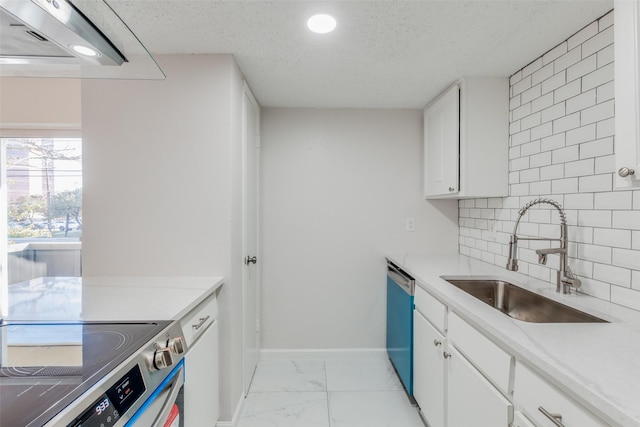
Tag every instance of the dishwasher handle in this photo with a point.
(406, 282)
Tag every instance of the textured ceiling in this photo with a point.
(383, 54)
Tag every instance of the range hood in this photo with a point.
(70, 38)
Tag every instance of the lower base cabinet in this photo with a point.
(201, 407)
(471, 399)
(428, 370)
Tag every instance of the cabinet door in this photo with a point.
(442, 144)
(627, 86)
(428, 370)
(471, 399)
(201, 380)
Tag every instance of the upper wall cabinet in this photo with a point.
(466, 140)
(627, 96)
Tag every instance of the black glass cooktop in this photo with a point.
(45, 367)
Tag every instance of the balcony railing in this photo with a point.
(34, 259)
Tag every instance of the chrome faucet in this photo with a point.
(565, 278)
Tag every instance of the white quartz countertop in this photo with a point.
(596, 363)
(107, 298)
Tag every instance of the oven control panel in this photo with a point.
(106, 411)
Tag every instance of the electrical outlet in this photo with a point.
(411, 224)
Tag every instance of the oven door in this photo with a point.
(164, 408)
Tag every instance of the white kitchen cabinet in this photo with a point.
(428, 370)
(519, 420)
(471, 399)
(450, 389)
(466, 140)
(200, 326)
(627, 92)
(534, 395)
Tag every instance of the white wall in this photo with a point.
(337, 187)
(162, 172)
(34, 107)
(562, 147)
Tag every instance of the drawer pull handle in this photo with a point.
(201, 322)
(446, 355)
(437, 342)
(556, 419)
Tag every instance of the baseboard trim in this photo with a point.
(236, 415)
(338, 353)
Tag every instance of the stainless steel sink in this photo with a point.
(522, 304)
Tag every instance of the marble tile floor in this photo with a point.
(327, 393)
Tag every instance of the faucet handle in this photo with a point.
(570, 280)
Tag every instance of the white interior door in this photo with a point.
(251, 272)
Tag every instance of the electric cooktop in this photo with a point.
(46, 366)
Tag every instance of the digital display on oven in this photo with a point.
(106, 411)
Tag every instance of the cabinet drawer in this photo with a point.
(519, 420)
(532, 392)
(199, 319)
(430, 308)
(490, 359)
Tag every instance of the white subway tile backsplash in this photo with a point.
(579, 201)
(583, 35)
(531, 94)
(612, 237)
(597, 148)
(562, 135)
(520, 112)
(596, 288)
(613, 200)
(598, 42)
(530, 121)
(530, 148)
(542, 102)
(595, 218)
(605, 128)
(552, 142)
(580, 102)
(597, 113)
(542, 74)
(595, 183)
(606, 21)
(597, 78)
(544, 130)
(554, 82)
(610, 274)
(566, 123)
(629, 220)
(553, 112)
(605, 164)
(605, 56)
(567, 91)
(521, 86)
(567, 154)
(552, 172)
(586, 66)
(542, 159)
(567, 185)
(579, 168)
(626, 297)
(554, 53)
(581, 134)
(595, 253)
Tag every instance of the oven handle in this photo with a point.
(171, 399)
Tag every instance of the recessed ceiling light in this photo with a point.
(321, 23)
(84, 50)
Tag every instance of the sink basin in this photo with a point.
(522, 304)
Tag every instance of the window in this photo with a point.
(42, 185)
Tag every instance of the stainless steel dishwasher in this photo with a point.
(400, 294)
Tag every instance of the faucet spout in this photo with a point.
(565, 279)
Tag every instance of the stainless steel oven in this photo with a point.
(92, 374)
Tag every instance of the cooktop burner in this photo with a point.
(46, 366)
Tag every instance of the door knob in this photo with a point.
(625, 172)
(250, 260)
